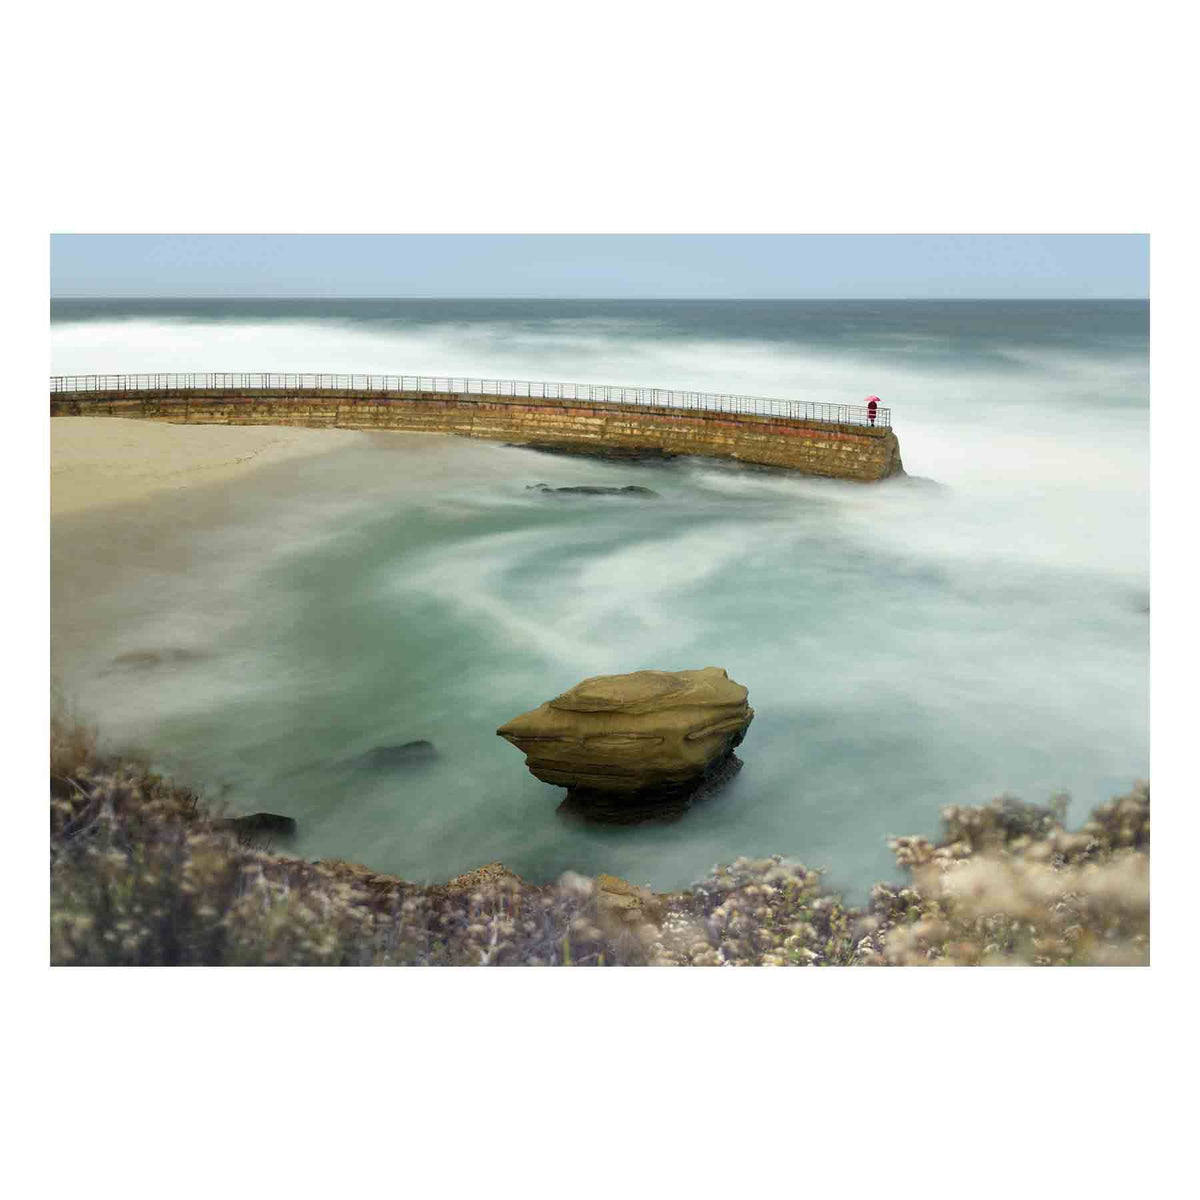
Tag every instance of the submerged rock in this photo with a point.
(592, 490)
(259, 822)
(627, 745)
(916, 482)
(598, 450)
(409, 754)
(140, 660)
(654, 806)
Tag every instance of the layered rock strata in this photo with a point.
(624, 744)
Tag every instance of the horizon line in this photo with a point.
(673, 299)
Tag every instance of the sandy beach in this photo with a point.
(96, 462)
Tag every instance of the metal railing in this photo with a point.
(838, 414)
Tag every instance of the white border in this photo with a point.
(1038, 118)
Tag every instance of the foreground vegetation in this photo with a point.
(142, 873)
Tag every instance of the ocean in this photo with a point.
(979, 628)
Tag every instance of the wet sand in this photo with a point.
(99, 462)
(148, 517)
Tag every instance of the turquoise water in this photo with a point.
(905, 645)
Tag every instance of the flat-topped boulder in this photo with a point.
(638, 736)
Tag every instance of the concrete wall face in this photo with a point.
(814, 448)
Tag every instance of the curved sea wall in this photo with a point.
(606, 428)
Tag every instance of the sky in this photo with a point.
(633, 266)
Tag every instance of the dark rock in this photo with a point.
(259, 822)
(490, 875)
(621, 905)
(592, 450)
(915, 482)
(592, 490)
(140, 660)
(384, 758)
(662, 805)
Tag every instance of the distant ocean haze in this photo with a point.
(905, 646)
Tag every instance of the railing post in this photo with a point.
(839, 414)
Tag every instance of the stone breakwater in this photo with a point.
(609, 429)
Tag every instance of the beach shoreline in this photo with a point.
(96, 463)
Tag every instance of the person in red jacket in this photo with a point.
(872, 408)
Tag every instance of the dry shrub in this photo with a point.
(757, 912)
(190, 896)
(142, 875)
(1009, 885)
(72, 743)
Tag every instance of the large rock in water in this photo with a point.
(644, 736)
